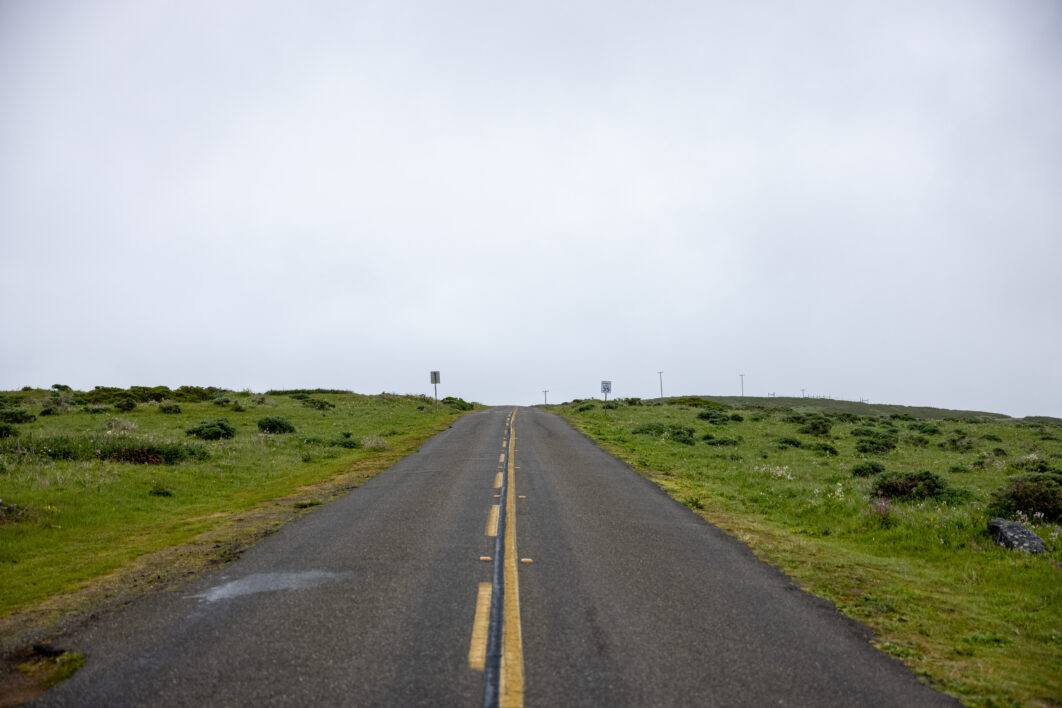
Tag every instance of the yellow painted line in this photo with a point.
(498, 480)
(501, 457)
(511, 683)
(492, 521)
(477, 650)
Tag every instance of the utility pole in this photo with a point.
(661, 374)
(544, 401)
(802, 393)
(742, 385)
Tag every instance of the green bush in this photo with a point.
(867, 469)
(585, 407)
(958, 441)
(7, 430)
(715, 416)
(822, 448)
(913, 486)
(1036, 493)
(876, 442)
(789, 441)
(737, 418)
(317, 404)
(816, 425)
(611, 405)
(457, 404)
(213, 429)
(16, 415)
(125, 404)
(169, 407)
(275, 424)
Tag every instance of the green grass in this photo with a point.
(980, 622)
(70, 518)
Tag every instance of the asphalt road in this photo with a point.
(595, 590)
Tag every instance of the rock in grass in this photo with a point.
(1011, 534)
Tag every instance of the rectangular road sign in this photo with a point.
(606, 387)
(435, 377)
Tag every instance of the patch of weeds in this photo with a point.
(111, 448)
(958, 469)
(999, 452)
(222, 401)
(721, 441)
(158, 490)
(374, 442)
(695, 402)
(788, 441)
(214, 429)
(585, 407)
(119, 425)
(318, 404)
(693, 502)
(611, 405)
(276, 424)
(307, 504)
(992, 437)
(7, 430)
(666, 431)
(868, 468)
(47, 667)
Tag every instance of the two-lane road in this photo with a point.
(510, 561)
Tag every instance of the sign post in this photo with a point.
(435, 382)
(606, 388)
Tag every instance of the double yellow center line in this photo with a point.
(509, 691)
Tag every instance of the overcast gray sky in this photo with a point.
(858, 199)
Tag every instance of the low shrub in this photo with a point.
(96, 410)
(222, 401)
(878, 443)
(318, 404)
(458, 404)
(816, 425)
(715, 416)
(585, 407)
(611, 405)
(913, 486)
(112, 448)
(958, 441)
(695, 402)
(7, 430)
(1036, 493)
(867, 469)
(275, 424)
(213, 429)
(737, 418)
(16, 415)
(788, 441)
(169, 407)
(721, 441)
(125, 404)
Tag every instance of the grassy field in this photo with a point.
(816, 487)
(105, 492)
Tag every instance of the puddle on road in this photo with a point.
(269, 582)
